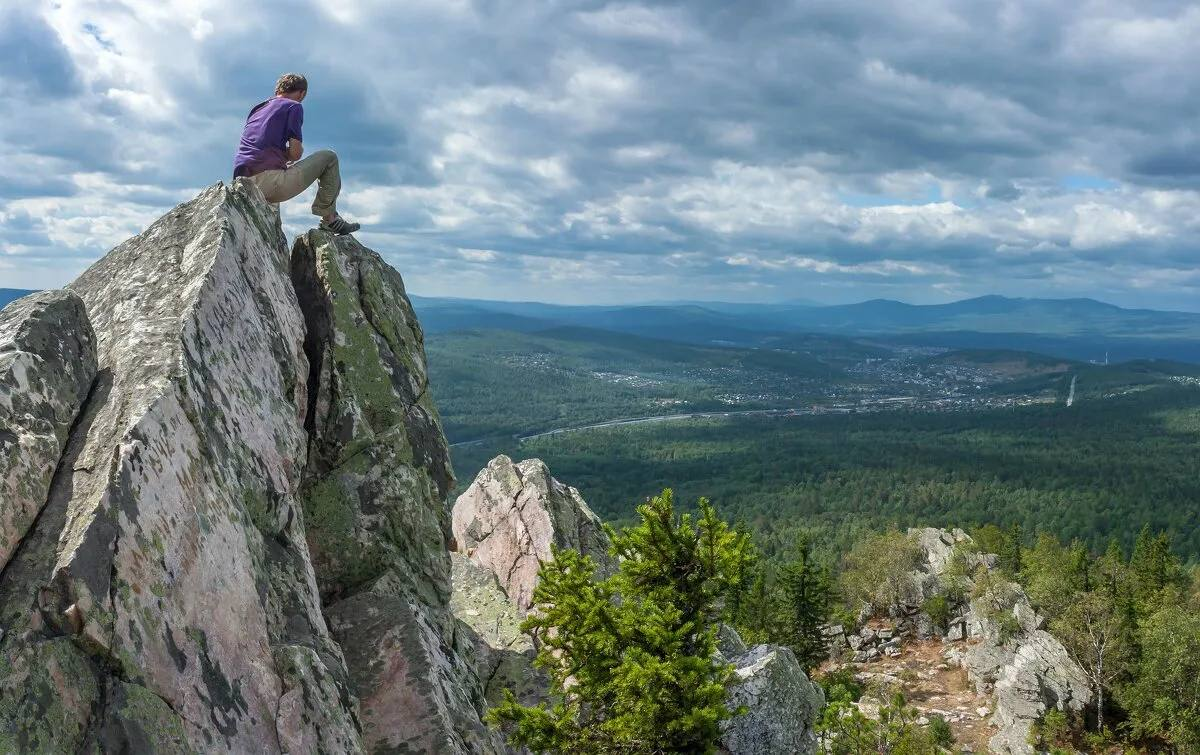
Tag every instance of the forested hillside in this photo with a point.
(1097, 470)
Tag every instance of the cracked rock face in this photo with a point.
(511, 514)
(501, 654)
(164, 600)
(47, 364)
(375, 503)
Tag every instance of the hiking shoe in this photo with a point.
(339, 226)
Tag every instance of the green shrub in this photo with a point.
(1008, 624)
(841, 686)
(940, 732)
(1053, 733)
(938, 609)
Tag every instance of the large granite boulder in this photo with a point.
(164, 599)
(512, 514)
(375, 494)
(782, 704)
(47, 365)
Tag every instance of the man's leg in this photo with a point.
(322, 166)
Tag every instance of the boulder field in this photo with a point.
(224, 523)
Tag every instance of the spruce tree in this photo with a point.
(632, 658)
(806, 588)
(1010, 554)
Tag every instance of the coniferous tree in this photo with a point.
(632, 658)
(1153, 569)
(757, 617)
(1010, 555)
(806, 589)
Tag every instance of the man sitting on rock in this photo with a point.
(271, 146)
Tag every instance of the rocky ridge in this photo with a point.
(991, 631)
(225, 512)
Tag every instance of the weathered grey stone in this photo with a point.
(1026, 669)
(167, 575)
(500, 653)
(1039, 676)
(1027, 618)
(375, 504)
(729, 642)
(957, 630)
(415, 692)
(937, 547)
(512, 514)
(47, 365)
(782, 704)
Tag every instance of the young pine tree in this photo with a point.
(632, 658)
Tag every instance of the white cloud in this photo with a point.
(639, 147)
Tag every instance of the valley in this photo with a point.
(831, 433)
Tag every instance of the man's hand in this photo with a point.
(294, 150)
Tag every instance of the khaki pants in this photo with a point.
(322, 166)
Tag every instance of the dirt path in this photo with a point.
(934, 686)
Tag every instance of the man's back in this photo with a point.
(268, 128)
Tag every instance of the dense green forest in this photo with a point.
(1097, 470)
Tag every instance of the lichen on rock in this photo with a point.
(169, 564)
(782, 705)
(47, 365)
(375, 503)
(513, 514)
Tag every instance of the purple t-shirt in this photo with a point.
(264, 139)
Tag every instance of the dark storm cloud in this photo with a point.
(614, 150)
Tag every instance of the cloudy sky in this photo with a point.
(828, 150)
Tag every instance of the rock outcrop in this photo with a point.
(167, 570)
(504, 526)
(512, 514)
(374, 502)
(223, 515)
(205, 475)
(782, 705)
(491, 629)
(47, 364)
(1023, 666)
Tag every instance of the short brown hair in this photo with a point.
(291, 82)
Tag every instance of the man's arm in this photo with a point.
(295, 122)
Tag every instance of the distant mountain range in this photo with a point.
(1083, 329)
